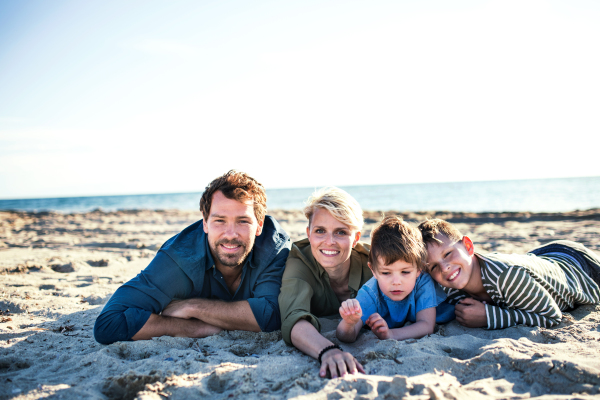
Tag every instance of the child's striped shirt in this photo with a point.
(531, 290)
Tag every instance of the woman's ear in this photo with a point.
(356, 238)
(468, 245)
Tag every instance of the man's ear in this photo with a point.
(468, 245)
(204, 224)
(356, 238)
(260, 227)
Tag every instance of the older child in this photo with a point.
(399, 290)
(500, 290)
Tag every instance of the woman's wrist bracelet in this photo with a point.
(326, 349)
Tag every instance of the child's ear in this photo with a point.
(370, 267)
(468, 245)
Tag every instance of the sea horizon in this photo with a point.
(534, 195)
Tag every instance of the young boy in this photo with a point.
(499, 290)
(399, 290)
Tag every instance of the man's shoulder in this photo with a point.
(187, 246)
(272, 243)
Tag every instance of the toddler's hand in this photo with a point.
(379, 327)
(350, 311)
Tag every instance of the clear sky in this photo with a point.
(123, 97)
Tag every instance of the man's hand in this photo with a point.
(177, 309)
(471, 313)
(229, 315)
(339, 363)
(350, 311)
(158, 325)
(379, 327)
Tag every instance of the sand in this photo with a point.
(57, 270)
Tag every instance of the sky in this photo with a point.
(126, 97)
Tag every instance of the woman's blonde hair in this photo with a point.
(339, 203)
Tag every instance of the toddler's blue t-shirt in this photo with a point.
(426, 294)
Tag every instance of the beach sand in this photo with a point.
(57, 271)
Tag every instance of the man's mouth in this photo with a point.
(230, 247)
(453, 276)
(330, 252)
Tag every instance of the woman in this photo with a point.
(321, 272)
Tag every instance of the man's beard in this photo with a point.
(232, 260)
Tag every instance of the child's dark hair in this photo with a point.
(434, 227)
(394, 239)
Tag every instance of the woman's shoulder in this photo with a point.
(299, 263)
(362, 248)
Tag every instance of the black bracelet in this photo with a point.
(326, 349)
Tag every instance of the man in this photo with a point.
(225, 272)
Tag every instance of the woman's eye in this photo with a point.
(319, 231)
(342, 233)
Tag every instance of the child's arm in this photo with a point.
(526, 302)
(350, 325)
(471, 313)
(424, 325)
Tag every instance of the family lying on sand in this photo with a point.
(237, 270)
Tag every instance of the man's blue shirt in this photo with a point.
(426, 294)
(184, 268)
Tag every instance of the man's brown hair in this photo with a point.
(236, 186)
(433, 227)
(394, 239)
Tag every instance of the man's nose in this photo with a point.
(230, 230)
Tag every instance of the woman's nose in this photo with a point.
(330, 239)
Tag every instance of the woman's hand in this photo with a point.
(379, 327)
(339, 363)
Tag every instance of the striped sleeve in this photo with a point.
(453, 296)
(526, 300)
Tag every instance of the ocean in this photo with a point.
(535, 195)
